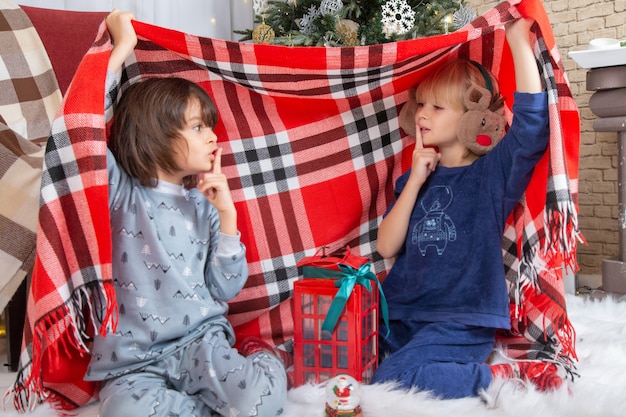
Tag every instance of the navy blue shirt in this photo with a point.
(451, 267)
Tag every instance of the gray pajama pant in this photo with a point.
(206, 378)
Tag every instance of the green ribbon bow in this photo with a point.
(345, 279)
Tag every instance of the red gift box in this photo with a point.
(330, 337)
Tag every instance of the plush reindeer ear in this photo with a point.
(477, 98)
(481, 128)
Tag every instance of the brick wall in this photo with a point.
(575, 23)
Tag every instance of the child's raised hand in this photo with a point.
(519, 28)
(119, 25)
(214, 186)
(518, 36)
(424, 160)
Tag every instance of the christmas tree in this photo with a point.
(353, 22)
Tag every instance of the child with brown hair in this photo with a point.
(177, 260)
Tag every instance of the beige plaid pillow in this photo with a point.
(29, 99)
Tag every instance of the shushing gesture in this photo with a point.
(424, 160)
(214, 186)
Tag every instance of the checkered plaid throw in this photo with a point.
(312, 150)
(29, 98)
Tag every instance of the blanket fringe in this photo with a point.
(555, 252)
(558, 339)
(66, 329)
(548, 260)
(563, 234)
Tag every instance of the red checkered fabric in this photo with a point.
(312, 148)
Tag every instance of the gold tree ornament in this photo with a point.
(263, 33)
(348, 32)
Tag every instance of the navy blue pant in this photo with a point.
(447, 359)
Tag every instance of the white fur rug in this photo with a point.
(600, 324)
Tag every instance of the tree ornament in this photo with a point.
(463, 16)
(348, 32)
(258, 6)
(398, 17)
(330, 6)
(307, 23)
(263, 33)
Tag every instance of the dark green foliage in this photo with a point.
(298, 25)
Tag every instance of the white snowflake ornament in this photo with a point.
(307, 25)
(463, 16)
(398, 17)
(330, 6)
(259, 6)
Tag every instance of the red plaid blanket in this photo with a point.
(312, 149)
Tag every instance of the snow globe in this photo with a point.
(343, 397)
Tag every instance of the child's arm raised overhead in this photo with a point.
(124, 37)
(527, 75)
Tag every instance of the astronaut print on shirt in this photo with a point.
(436, 228)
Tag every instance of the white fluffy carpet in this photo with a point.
(600, 324)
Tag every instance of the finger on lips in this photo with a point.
(217, 162)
